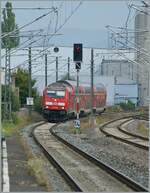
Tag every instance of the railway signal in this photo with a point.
(56, 49)
(77, 53)
(77, 58)
(78, 65)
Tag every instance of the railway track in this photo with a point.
(115, 129)
(124, 130)
(82, 171)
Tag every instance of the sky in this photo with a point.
(86, 25)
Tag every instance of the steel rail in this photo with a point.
(120, 127)
(120, 176)
(119, 138)
(69, 179)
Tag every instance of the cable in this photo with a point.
(26, 8)
(130, 42)
(42, 67)
(53, 35)
(18, 48)
(35, 20)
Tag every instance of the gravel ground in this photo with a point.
(132, 127)
(55, 182)
(20, 179)
(129, 160)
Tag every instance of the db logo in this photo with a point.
(54, 103)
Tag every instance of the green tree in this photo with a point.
(38, 104)
(9, 25)
(14, 98)
(21, 81)
(10, 39)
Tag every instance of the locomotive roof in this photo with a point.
(56, 85)
(74, 83)
(61, 84)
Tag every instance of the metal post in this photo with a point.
(132, 71)
(9, 86)
(56, 68)
(68, 68)
(148, 22)
(77, 94)
(45, 70)
(30, 86)
(92, 88)
(1, 129)
(77, 105)
(6, 89)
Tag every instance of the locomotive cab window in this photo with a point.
(60, 93)
(56, 94)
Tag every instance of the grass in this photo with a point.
(19, 121)
(8, 128)
(35, 166)
(86, 124)
(100, 120)
(143, 129)
(115, 108)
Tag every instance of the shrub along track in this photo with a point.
(82, 171)
(115, 129)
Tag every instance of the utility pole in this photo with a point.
(92, 87)
(45, 70)
(9, 86)
(7, 94)
(6, 83)
(0, 79)
(56, 68)
(30, 86)
(68, 68)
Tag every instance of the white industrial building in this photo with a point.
(142, 56)
(119, 68)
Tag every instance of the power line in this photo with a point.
(28, 8)
(35, 20)
(136, 46)
(15, 49)
(52, 35)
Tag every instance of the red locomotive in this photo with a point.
(59, 99)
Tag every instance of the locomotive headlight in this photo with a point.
(49, 103)
(61, 104)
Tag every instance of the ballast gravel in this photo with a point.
(130, 160)
(56, 183)
(132, 127)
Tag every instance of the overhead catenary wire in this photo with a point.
(28, 8)
(43, 51)
(14, 50)
(35, 20)
(136, 46)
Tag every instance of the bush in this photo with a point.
(15, 102)
(38, 104)
(115, 108)
(128, 106)
(15, 118)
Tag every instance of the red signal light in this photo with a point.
(77, 53)
(78, 49)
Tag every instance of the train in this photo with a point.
(59, 101)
